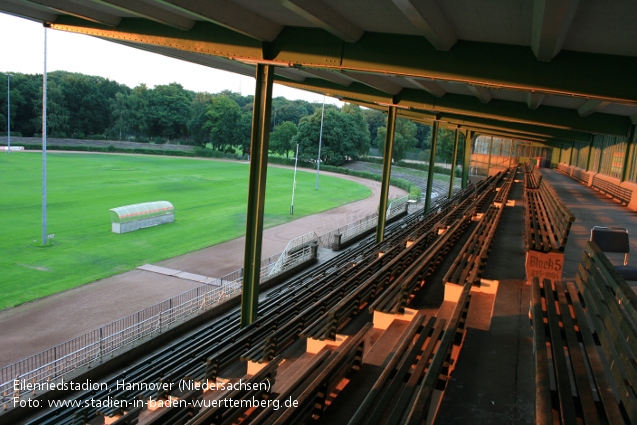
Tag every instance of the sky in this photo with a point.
(22, 50)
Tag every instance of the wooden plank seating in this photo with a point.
(470, 263)
(131, 417)
(313, 389)
(532, 177)
(398, 295)
(585, 344)
(622, 194)
(403, 394)
(547, 220)
(316, 322)
(179, 411)
(255, 388)
(581, 176)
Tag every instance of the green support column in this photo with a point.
(490, 152)
(432, 159)
(590, 154)
(454, 159)
(384, 188)
(259, 141)
(630, 152)
(559, 160)
(570, 160)
(601, 156)
(468, 142)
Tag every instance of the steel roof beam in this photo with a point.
(81, 11)
(429, 86)
(333, 76)
(28, 10)
(586, 75)
(551, 22)
(534, 100)
(148, 11)
(322, 16)
(530, 131)
(229, 15)
(377, 82)
(481, 93)
(425, 15)
(590, 107)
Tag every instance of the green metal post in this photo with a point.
(432, 160)
(259, 140)
(490, 151)
(570, 160)
(454, 159)
(601, 156)
(590, 154)
(630, 151)
(468, 142)
(384, 188)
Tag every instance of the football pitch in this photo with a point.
(209, 197)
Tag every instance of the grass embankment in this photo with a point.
(210, 207)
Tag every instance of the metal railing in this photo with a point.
(98, 345)
(300, 243)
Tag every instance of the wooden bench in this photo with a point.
(403, 394)
(581, 176)
(585, 344)
(469, 264)
(257, 387)
(313, 388)
(547, 220)
(622, 194)
(532, 177)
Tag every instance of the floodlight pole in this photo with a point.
(8, 113)
(44, 236)
(318, 161)
(296, 161)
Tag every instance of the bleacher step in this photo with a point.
(384, 342)
(290, 369)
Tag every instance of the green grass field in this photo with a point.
(210, 207)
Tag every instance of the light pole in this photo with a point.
(318, 161)
(296, 161)
(8, 113)
(44, 235)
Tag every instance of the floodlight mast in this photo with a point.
(44, 235)
(296, 161)
(8, 113)
(318, 161)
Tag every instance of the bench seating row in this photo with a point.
(585, 345)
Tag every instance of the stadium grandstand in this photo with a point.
(489, 305)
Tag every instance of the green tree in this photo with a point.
(223, 119)
(339, 142)
(360, 129)
(444, 145)
(404, 138)
(196, 123)
(57, 115)
(281, 140)
(169, 111)
(138, 101)
(120, 111)
(374, 119)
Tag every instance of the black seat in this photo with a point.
(615, 239)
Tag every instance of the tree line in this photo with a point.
(90, 107)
